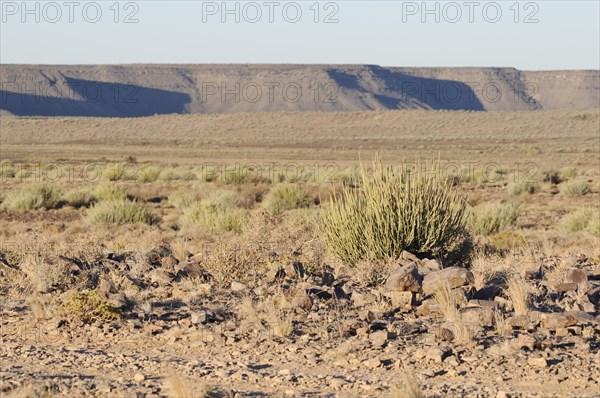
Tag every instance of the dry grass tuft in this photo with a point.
(518, 292)
(33, 197)
(119, 212)
(409, 387)
(492, 217)
(448, 304)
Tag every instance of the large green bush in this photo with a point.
(394, 211)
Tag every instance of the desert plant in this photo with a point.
(181, 200)
(585, 219)
(121, 172)
(409, 387)
(517, 291)
(80, 198)
(109, 192)
(393, 212)
(492, 217)
(448, 305)
(34, 197)
(119, 212)
(568, 172)
(524, 187)
(286, 196)
(7, 169)
(88, 306)
(149, 174)
(576, 188)
(214, 217)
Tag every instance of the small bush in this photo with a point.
(34, 197)
(286, 197)
(576, 188)
(119, 212)
(88, 307)
(492, 217)
(121, 172)
(181, 200)
(214, 217)
(7, 169)
(507, 240)
(109, 192)
(524, 187)
(80, 198)
(586, 219)
(394, 211)
(568, 172)
(149, 174)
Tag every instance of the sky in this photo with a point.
(528, 35)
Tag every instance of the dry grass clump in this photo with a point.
(373, 272)
(270, 315)
(507, 240)
(568, 172)
(178, 387)
(585, 219)
(576, 188)
(83, 197)
(149, 174)
(182, 200)
(492, 217)
(119, 212)
(524, 187)
(121, 172)
(34, 197)
(518, 292)
(409, 387)
(215, 217)
(286, 196)
(7, 169)
(394, 211)
(448, 304)
(109, 192)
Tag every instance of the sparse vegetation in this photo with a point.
(517, 291)
(492, 217)
(119, 212)
(83, 197)
(88, 306)
(34, 197)
(585, 219)
(286, 196)
(391, 213)
(576, 188)
(213, 216)
(524, 187)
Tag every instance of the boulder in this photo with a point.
(404, 278)
(453, 276)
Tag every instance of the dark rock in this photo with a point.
(453, 276)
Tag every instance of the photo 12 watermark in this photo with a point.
(453, 12)
(253, 12)
(53, 12)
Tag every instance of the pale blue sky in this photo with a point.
(388, 33)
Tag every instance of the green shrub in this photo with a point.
(507, 240)
(80, 198)
(88, 307)
(576, 188)
(149, 174)
(522, 187)
(34, 197)
(286, 196)
(394, 212)
(110, 192)
(214, 217)
(568, 172)
(119, 212)
(235, 176)
(492, 217)
(585, 219)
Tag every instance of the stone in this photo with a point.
(436, 354)
(555, 321)
(400, 299)
(366, 316)
(372, 363)
(577, 276)
(478, 316)
(295, 270)
(139, 377)
(160, 277)
(429, 265)
(537, 362)
(454, 276)
(302, 301)
(362, 299)
(237, 286)
(378, 338)
(404, 278)
(118, 300)
(565, 287)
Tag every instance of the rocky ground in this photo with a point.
(312, 334)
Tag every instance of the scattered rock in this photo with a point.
(537, 362)
(454, 276)
(237, 286)
(404, 278)
(139, 377)
(378, 338)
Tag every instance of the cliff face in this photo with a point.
(143, 90)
